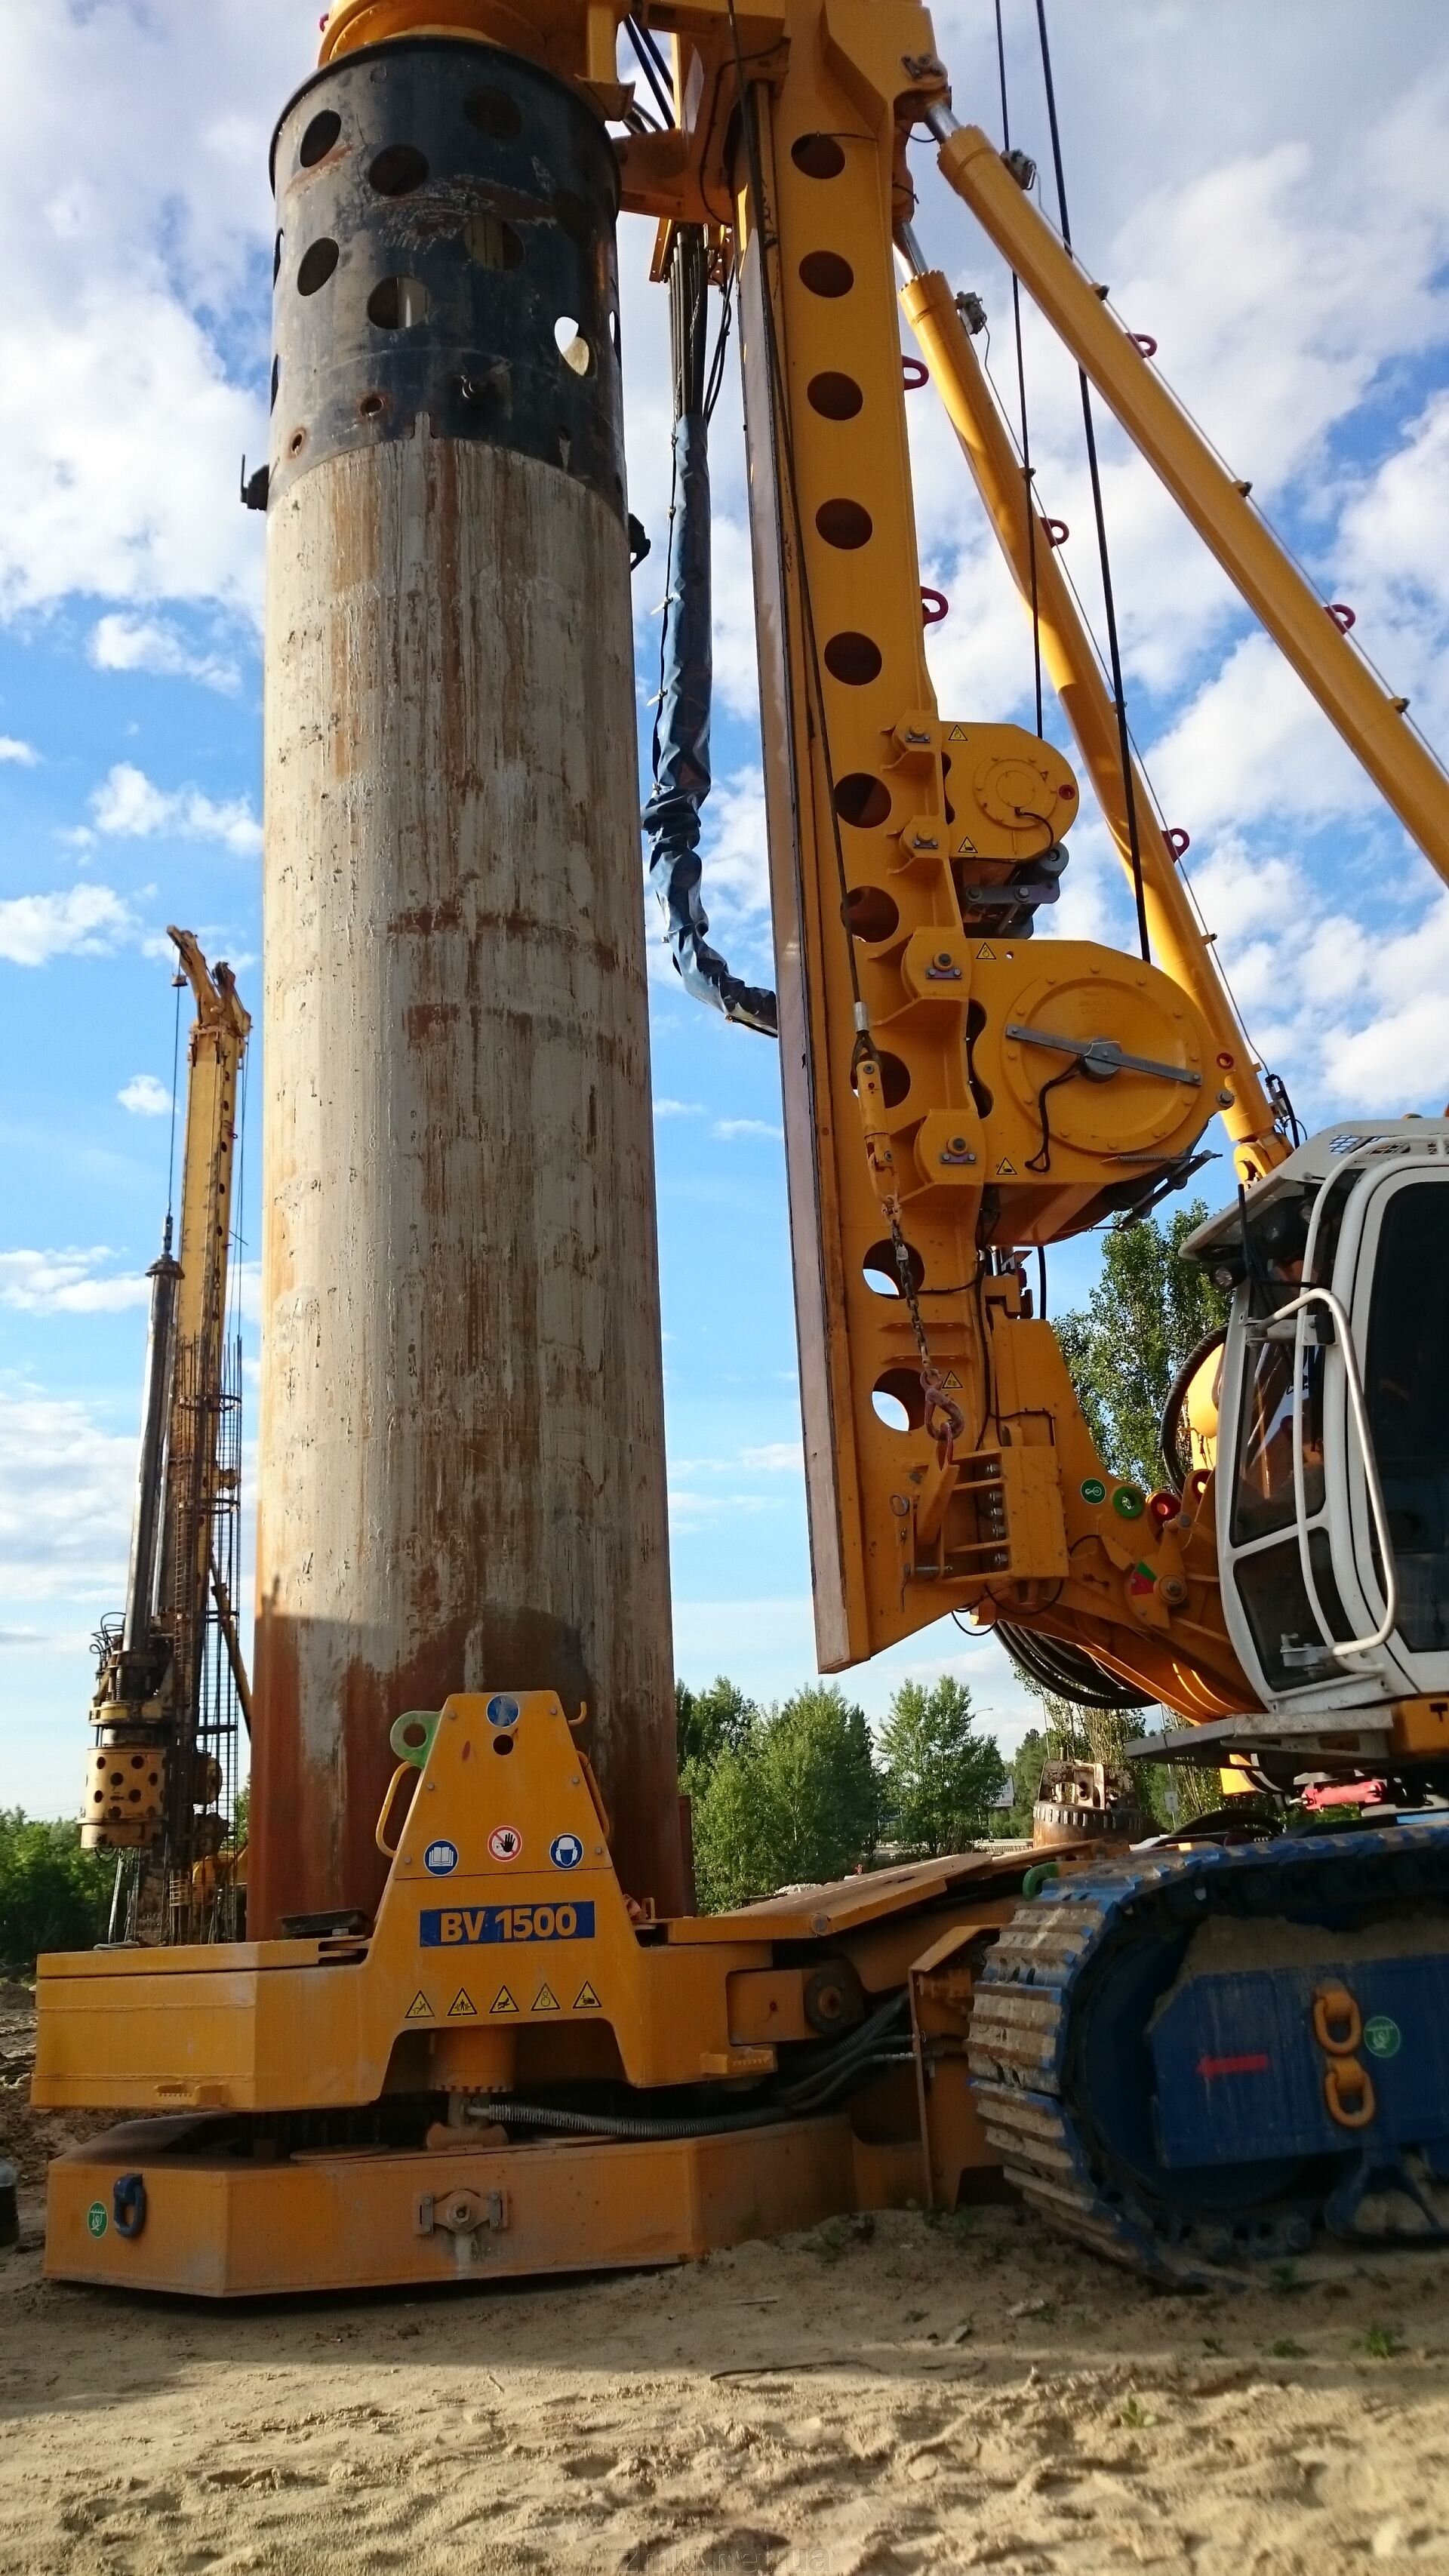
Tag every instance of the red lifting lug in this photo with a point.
(1342, 617)
(915, 373)
(1144, 341)
(1056, 531)
(934, 606)
(1178, 841)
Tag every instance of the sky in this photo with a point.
(1262, 189)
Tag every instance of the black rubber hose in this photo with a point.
(510, 2113)
(1176, 1399)
(1069, 1672)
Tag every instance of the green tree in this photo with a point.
(1149, 1310)
(796, 1799)
(708, 1723)
(940, 1776)
(1026, 1770)
(53, 1895)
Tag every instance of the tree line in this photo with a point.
(802, 1790)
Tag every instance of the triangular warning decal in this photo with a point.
(462, 2007)
(965, 850)
(503, 2002)
(586, 2000)
(955, 733)
(1005, 1171)
(985, 956)
(546, 2000)
(420, 2009)
(949, 1380)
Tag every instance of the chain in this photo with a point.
(932, 1384)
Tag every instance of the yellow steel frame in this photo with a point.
(1173, 928)
(504, 1958)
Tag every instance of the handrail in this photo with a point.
(1298, 1306)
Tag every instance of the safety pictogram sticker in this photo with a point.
(985, 956)
(505, 1842)
(503, 2002)
(566, 1851)
(955, 733)
(586, 2000)
(462, 2007)
(546, 2000)
(1005, 1171)
(420, 2009)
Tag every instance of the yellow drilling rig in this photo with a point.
(475, 2028)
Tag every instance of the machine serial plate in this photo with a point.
(448, 1927)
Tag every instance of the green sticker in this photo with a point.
(1128, 1503)
(1093, 1490)
(1382, 2037)
(96, 2218)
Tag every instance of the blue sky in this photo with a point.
(1264, 192)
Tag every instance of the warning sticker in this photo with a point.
(955, 733)
(985, 956)
(420, 2009)
(586, 2000)
(965, 850)
(503, 2002)
(1005, 1171)
(505, 1842)
(462, 2007)
(546, 2000)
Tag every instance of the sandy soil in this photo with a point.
(857, 2402)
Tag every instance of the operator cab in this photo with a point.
(1332, 1481)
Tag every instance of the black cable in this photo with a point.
(1129, 796)
(646, 61)
(1068, 1672)
(715, 379)
(651, 46)
(1041, 1281)
(1041, 1160)
(1021, 398)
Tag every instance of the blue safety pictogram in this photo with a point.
(440, 1859)
(566, 1851)
(502, 1711)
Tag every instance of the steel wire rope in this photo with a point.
(1025, 449)
(178, 981)
(1139, 756)
(1104, 558)
(781, 426)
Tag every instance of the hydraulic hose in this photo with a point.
(1068, 1671)
(870, 2046)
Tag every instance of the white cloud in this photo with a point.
(776, 1458)
(84, 921)
(729, 1129)
(23, 754)
(65, 1499)
(67, 1283)
(120, 642)
(736, 862)
(128, 805)
(144, 1096)
(678, 1109)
